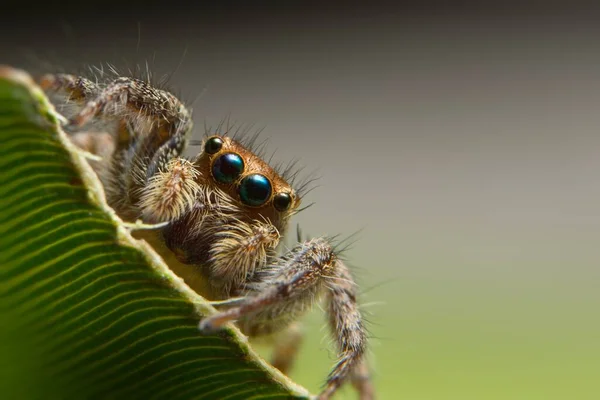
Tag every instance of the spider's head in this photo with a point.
(248, 181)
(240, 208)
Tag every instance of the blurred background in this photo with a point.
(460, 139)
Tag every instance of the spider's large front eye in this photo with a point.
(282, 201)
(255, 190)
(228, 167)
(213, 145)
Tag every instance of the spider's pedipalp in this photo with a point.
(171, 192)
(238, 251)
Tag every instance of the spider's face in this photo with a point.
(241, 210)
(250, 183)
(240, 196)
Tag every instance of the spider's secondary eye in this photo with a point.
(255, 190)
(282, 201)
(228, 167)
(213, 145)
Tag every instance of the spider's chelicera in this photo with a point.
(226, 209)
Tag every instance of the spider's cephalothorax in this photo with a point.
(226, 210)
(232, 224)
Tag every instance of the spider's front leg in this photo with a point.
(144, 176)
(280, 293)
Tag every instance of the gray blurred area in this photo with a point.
(463, 147)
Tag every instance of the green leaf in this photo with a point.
(86, 311)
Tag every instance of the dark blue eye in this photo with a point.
(255, 190)
(228, 167)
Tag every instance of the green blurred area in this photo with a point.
(443, 339)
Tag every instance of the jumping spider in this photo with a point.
(225, 211)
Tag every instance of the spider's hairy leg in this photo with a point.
(347, 326)
(288, 288)
(78, 88)
(134, 98)
(145, 176)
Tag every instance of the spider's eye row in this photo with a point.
(228, 167)
(282, 201)
(255, 190)
(213, 145)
